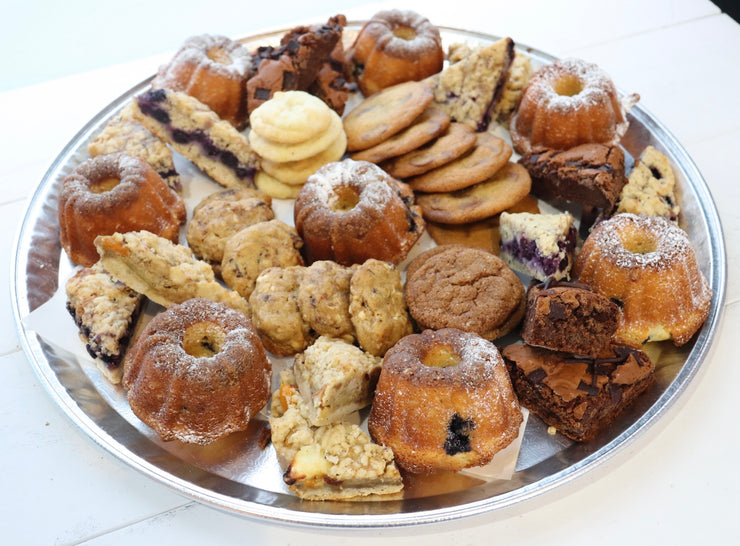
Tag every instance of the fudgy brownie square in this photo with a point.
(569, 317)
(578, 396)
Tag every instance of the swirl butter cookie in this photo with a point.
(465, 288)
(290, 117)
(504, 189)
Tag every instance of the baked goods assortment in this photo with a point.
(312, 247)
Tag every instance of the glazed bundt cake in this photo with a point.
(444, 401)
(648, 265)
(350, 211)
(214, 70)
(197, 372)
(393, 47)
(567, 103)
(114, 193)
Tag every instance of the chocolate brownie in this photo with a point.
(295, 64)
(590, 174)
(569, 317)
(578, 396)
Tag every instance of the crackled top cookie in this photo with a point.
(464, 288)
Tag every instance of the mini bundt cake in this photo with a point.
(648, 265)
(114, 193)
(350, 211)
(393, 47)
(444, 401)
(214, 70)
(567, 103)
(197, 372)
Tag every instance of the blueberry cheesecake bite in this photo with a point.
(539, 245)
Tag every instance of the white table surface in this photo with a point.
(677, 484)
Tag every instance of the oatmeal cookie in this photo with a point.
(275, 311)
(465, 288)
(324, 299)
(256, 248)
(377, 306)
(221, 215)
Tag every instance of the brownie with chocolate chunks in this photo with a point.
(592, 175)
(578, 396)
(570, 317)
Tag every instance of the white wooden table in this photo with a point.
(677, 484)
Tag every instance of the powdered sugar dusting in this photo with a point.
(613, 238)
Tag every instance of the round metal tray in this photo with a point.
(238, 477)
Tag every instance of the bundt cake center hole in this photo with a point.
(640, 244)
(405, 33)
(343, 199)
(441, 356)
(568, 85)
(104, 184)
(203, 340)
(218, 55)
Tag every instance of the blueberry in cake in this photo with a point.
(196, 132)
(539, 245)
(105, 311)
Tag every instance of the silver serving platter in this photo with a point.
(238, 477)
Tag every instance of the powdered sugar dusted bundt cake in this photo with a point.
(197, 372)
(567, 103)
(648, 265)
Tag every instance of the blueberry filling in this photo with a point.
(198, 136)
(527, 252)
(458, 435)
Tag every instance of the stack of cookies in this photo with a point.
(462, 179)
(294, 133)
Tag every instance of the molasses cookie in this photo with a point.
(508, 186)
(465, 288)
